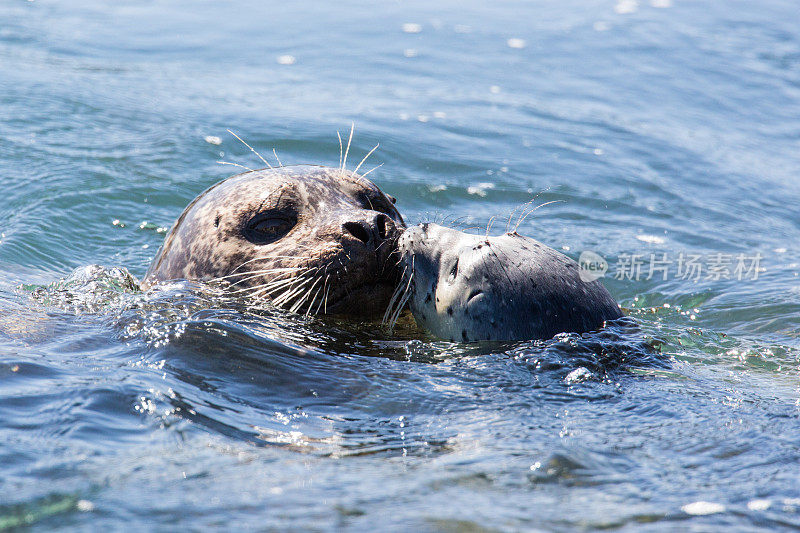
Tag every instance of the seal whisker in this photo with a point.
(314, 299)
(400, 306)
(325, 307)
(373, 168)
(255, 273)
(339, 135)
(347, 150)
(235, 165)
(285, 296)
(323, 289)
(276, 284)
(365, 158)
(489, 225)
(252, 150)
(258, 275)
(278, 159)
(457, 221)
(269, 287)
(523, 206)
(291, 292)
(406, 295)
(267, 258)
(532, 210)
(303, 300)
(394, 297)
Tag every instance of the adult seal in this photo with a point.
(466, 287)
(310, 239)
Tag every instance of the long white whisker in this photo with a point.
(323, 289)
(251, 149)
(365, 158)
(257, 272)
(532, 210)
(347, 150)
(339, 135)
(273, 285)
(299, 257)
(267, 288)
(400, 306)
(300, 302)
(235, 165)
(404, 299)
(325, 307)
(291, 292)
(280, 282)
(264, 291)
(489, 225)
(524, 206)
(278, 159)
(395, 295)
(314, 299)
(374, 168)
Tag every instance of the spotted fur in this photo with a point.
(467, 287)
(343, 243)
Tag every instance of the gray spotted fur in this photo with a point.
(507, 287)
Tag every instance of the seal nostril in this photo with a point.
(357, 230)
(381, 224)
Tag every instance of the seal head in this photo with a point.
(310, 239)
(467, 287)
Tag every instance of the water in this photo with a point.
(661, 127)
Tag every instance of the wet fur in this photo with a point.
(317, 267)
(465, 287)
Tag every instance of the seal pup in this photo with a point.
(310, 239)
(465, 287)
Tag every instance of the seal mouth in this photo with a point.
(474, 294)
(364, 301)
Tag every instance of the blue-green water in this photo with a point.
(661, 127)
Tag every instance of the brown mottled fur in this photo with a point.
(351, 273)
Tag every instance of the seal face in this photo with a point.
(309, 238)
(468, 287)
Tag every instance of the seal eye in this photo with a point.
(268, 229)
(453, 272)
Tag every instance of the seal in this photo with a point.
(465, 287)
(310, 239)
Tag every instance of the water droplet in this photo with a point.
(703, 508)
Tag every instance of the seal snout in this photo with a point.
(372, 232)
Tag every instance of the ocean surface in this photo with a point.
(667, 134)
